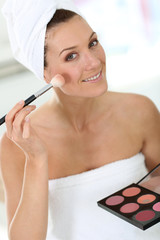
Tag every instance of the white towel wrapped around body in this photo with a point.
(73, 209)
(26, 22)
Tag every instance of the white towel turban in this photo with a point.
(26, 23)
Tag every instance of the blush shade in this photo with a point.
(156, 207)
(114, 200)
(129, 208)
(145, 215)
(147, 198)
(132, 191)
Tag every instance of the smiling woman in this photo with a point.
(79, 56)
(75, 148)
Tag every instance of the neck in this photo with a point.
(78, 111)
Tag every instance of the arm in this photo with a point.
(24, 167)
(151, 133)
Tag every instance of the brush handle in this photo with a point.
(2, 120)
(148, 173)
(26, 102)
(31, 98)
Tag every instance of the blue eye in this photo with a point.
(71, 56)
(93, 43)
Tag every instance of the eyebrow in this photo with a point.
(70, 48)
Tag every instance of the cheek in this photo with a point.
(72, 72)
(51, 71)
(72, 75)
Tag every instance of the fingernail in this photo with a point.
(28, 109)
(27, 119)
(21, 102)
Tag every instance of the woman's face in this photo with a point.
(75, 53)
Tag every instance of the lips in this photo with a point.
(94, 78)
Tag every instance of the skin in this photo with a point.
(82, 127)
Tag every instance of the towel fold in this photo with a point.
(26, 22)
(73, 210)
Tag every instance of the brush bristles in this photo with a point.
(57, 81)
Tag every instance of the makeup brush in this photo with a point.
(57, 81)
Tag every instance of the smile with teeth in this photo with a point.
(92, 78)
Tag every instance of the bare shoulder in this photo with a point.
(138, 105)
(149, 116)
(144, 104)
(143, 109)
(144, 116)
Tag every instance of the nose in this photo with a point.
(91, 61)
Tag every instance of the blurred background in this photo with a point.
(129, 31)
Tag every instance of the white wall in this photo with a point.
(5, 51)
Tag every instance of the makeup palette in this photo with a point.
(135, 204)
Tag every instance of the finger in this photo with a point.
(26, 128)
(19, 120)
(11, 115)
